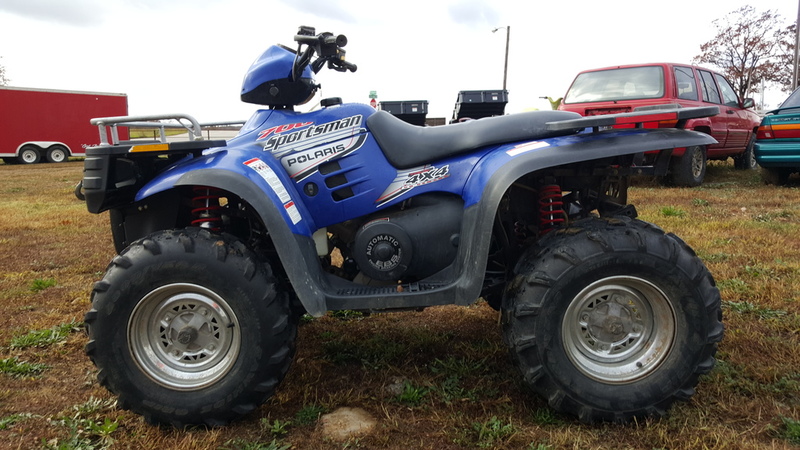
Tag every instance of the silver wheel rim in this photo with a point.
(619, 329)
(28, 156)
(58, 155)
(184, 336)
(697, 164)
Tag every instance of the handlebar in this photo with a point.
(327, 47)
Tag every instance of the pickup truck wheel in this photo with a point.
(189, 328)
(29, 154)
(689, 169)
(747, 160)
(778, 176)
(612, 320)
(57, 154)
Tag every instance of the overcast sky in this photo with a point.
(190, 56)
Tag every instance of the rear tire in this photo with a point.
(57, 154)
(188, 327)
(611, 320)
(747, 160)
(689, 170)
(29, 154)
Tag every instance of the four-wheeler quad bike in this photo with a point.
(222, 245)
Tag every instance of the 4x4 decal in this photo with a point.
(409, 179)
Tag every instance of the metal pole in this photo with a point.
(796, 44)
(508, 39)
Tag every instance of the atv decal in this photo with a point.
(303, 164)
(528, 146)
(280, 129)
(275, 183)
(409, 179)
(281, 144)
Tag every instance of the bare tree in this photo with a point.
(751, 47)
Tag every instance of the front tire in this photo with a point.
(29, 154)
(612, 319)
(189, 328)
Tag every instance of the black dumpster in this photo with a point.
(478, 104)
(411, 111)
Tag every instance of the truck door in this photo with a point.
(739, 129)
(720, 122)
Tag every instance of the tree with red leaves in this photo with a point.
(751, 47)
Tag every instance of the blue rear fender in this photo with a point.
(505, 164)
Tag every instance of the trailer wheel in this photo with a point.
(612, 320)
(189, 327)
(29, 154)
(57, 154)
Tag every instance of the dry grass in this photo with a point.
(459, 388)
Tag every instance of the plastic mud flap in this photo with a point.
(112, 174)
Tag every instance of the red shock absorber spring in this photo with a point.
(551, 208)
(206, 208)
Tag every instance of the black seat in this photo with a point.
(407, 146)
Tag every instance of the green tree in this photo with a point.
(750, 48)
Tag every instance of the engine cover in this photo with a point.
(383, 250)
(414, 242)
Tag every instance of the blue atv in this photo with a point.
(223, 246)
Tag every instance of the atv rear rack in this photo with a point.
(185, 121)
(598, 123)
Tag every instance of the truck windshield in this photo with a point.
(617, 84)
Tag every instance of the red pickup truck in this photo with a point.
(621, 89)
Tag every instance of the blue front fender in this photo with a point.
(249, 177)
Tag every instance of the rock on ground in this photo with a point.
(345, 423)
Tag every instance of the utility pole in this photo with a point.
(796, 44)
(508, 40)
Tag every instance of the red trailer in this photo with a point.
(52, 125)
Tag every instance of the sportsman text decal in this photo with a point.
(281, 140)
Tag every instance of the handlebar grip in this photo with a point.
(349, 66)
(308, 40)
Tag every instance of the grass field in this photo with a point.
(457, 387)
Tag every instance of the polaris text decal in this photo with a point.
(275, 183)
(303, 164)
(409, 179)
